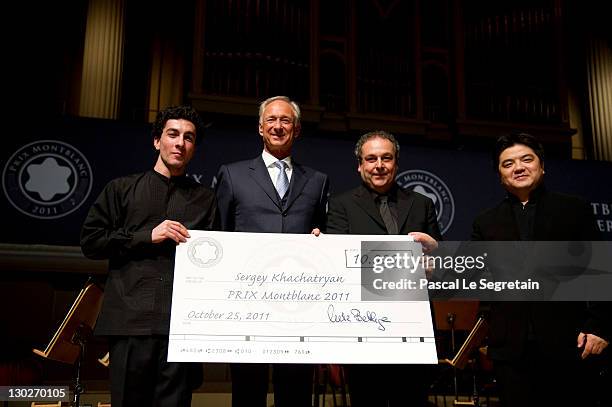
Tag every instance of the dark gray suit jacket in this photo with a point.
(355, 212)
(248, 201)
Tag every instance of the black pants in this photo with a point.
(539, 380)
(388, 385)
(292, 385)
(141, 376)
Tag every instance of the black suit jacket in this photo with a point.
(355, 212)
(555, 325)
(248, 201)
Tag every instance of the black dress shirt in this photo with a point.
(391, 199)
(525, 213)
(118, 227)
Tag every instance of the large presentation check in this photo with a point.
(287, 298)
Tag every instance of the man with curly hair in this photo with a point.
(135, 223)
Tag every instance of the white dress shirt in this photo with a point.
(273, 170)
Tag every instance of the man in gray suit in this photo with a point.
(380, 207)
(272, 193)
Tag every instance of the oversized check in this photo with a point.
(288, 298)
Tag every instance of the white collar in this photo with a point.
(269, 159)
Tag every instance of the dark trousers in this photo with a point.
(141, 376)
(388, 385)
(292, 385)
(537, 380)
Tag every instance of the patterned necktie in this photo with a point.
(282, 181)
(387, 216)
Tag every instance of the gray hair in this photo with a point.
(297, 115)
(376, 134)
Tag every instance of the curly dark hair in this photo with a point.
(509, 140)
(175, 113)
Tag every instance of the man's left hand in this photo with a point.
(593, 344)
(427, 242)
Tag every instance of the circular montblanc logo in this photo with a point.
(431, 186)
(205, 252)
(47, 179)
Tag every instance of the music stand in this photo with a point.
(455, 315)
(68, 342)
(475, 337)
(105, 360)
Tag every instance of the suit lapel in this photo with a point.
(261, 176)
(405, 200)
(363, 198)
(298, 181)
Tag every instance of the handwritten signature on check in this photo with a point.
(356, 315)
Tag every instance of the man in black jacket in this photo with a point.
(537, 347)
(380, 207)
(136, 222)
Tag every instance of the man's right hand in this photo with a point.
(169, 229)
